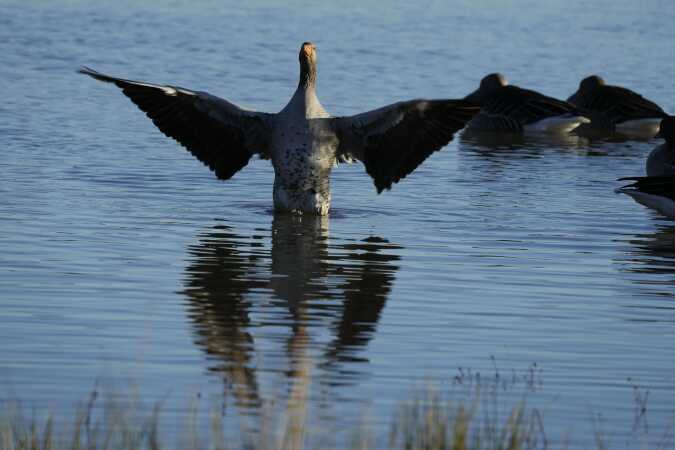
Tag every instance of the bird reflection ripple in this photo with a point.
(296, 284)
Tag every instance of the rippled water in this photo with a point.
(122, 257)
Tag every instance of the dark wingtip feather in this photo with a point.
(381, 186)
(96, 75)
(655, 185)
(86, 70)
(220, 145)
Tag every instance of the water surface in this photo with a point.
(124, 258)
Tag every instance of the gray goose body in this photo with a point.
(302, 141)
(661, 160)
(616, 108)
(657, 189)
(508, 108)
(657, 193)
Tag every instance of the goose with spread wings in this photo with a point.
(302, 141)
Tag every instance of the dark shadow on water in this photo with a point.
(498, 153)
(286, 286)
(653, 253)
(598, 137)
(522, 145)
(649, 261)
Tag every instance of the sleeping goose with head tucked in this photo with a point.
(302, 141)
(509, 108)
(616, 108)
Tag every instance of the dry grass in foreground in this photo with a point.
(431, 421)
(433, 426)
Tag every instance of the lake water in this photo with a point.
(123, 258)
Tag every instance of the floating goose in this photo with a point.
(657, 189)
(653, 192)
(303, 141)
(616, 108)
(509, 108)
(661, 160)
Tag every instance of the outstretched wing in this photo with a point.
(392, 141)
(220, 134)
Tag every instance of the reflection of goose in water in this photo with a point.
(242, 294)
(649, 263)
(487, 141)
(217, 282)
(653, 252)
(502, 150)
(518, 145)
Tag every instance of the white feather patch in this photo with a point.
(639, 126)
(664, 205)
(556, 124)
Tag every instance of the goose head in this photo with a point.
(307, 59)
(590, 83)
(489, 85)
(586, 87)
